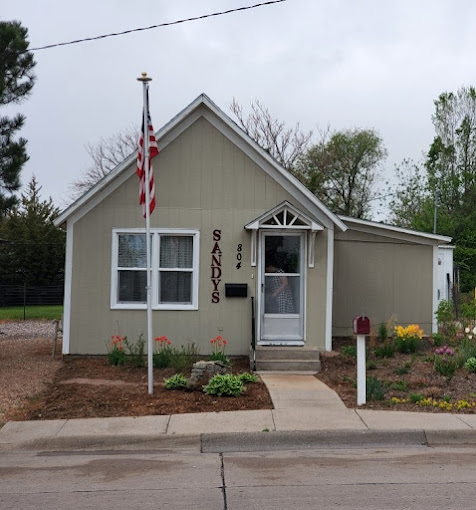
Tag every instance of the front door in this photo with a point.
(282, 288)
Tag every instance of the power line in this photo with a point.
(166, 24)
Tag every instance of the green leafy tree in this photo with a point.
(411, 204)
(32, 249)
(340, 170)
(449, 177)
(16, 82)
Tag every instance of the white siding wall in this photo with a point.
(445, 270)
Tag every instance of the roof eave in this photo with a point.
(391, 228)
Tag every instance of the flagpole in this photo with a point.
(145, 87)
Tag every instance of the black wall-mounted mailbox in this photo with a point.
(236, 289)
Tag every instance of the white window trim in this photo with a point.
(155, 233)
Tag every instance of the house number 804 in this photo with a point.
(238, 256)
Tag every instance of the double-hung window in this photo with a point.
(174, 269)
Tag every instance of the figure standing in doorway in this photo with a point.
(280, 295)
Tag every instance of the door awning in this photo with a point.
(284, 216)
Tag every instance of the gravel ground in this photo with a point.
(27, 330)
(26, 366)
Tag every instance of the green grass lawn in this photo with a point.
(17, 313)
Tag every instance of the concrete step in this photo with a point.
(287, 353)
(294, 365)
(286, 359)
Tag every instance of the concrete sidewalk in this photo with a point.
(302, 403)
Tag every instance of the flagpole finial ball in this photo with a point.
(144, 77)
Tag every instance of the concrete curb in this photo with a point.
(95, 443)
(298, 440)
(451, 437)
(288, 440)
(249, 441)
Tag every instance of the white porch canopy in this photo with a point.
(284, 216)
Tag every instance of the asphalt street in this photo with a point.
(372, 477)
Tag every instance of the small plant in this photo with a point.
(121, 351)
(176, 382)
(445, 350)
(445, 363)
(466, 350)
(467, 311)
(136, 351)
(246, 377)
(405, 369)
(470, 365)
(396, 400)
(400, 386)
(446, 405)
(445, 319)
(349, 351)
(438, 339)
(470, 332)
(382, 333)
(371, 365)
(116, 354)
(407, 340)
(375, 389)
(183, 359)
(218, 350)
(416, 397)
(163, 353)
(224, 386)
(386, 350)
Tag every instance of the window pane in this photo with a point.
(132, 286)
(175, 287)
(176, 251)
(282, 294)
(283, 252)
(132, 250)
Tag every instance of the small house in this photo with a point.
(240, 248)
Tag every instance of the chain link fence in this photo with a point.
(26, 295)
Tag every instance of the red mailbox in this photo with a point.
(361, 325)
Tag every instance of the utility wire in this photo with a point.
(177, 22)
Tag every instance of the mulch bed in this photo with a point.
(339, 371)
(122, 391)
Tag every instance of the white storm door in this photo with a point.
(282, 288)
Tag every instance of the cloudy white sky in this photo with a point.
(343, 63)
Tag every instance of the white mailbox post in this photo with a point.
(361, 327)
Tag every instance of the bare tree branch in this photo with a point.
(286, 145)
(105, 155)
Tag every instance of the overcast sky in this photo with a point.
(343, 63)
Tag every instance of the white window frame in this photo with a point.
(155, 234)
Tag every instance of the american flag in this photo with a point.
(153, 151)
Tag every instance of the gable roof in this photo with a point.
(204, 106)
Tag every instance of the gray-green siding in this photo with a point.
(204, 182)
(382, 278)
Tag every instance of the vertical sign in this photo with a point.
(216, 266)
